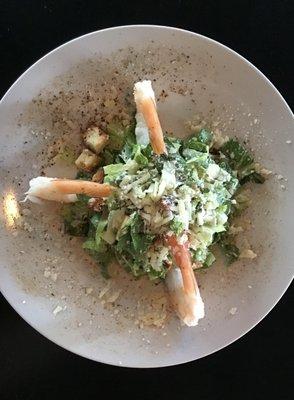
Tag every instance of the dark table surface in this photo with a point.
(259, 365)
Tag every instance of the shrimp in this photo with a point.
(182, 285)
(64, 190)
(146, 107)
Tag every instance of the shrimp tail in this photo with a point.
(189, 306)
(41, 189)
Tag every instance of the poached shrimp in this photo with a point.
(146, 106)
(182, 285)
(64, 190)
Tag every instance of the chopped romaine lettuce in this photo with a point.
(252, 177)
(193, 143)
(192, 190)
(205, 137)
(173, 145)
(241, 161)
(119, 135)
(112, 172)
(231, 252)
(76, 217)
(177, 226)
(238, 156)
(210, 259)
(103, 260)
(139, 157)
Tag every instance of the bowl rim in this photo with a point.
(227, 49)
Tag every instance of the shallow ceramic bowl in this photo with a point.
(40, 269)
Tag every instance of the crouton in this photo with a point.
(87, 160)
(95, 139)
(98, 176)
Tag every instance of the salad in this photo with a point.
(155, 203)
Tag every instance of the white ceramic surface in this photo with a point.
(200, 76)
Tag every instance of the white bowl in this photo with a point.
(200, 76)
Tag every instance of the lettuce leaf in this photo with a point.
(176, 226)
(76, 217)
(113, 171)
(205, 137)
(241, 161)
(200, 142)
(96, 246)
(194, 144)
(238, 156)
(230, 251)
(103, 260)
(204, 256)
(119, 135)
(132, 245)
(140, 240)
(173, 144)
(252, 177)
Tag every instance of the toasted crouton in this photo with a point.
(87, 160)
(98, 176)
(95, 139)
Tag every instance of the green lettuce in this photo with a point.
(76, 217)
(193, 183)
(230, 251)
(113, 172)
(176, 226)
(241, 161)
(119, 135)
